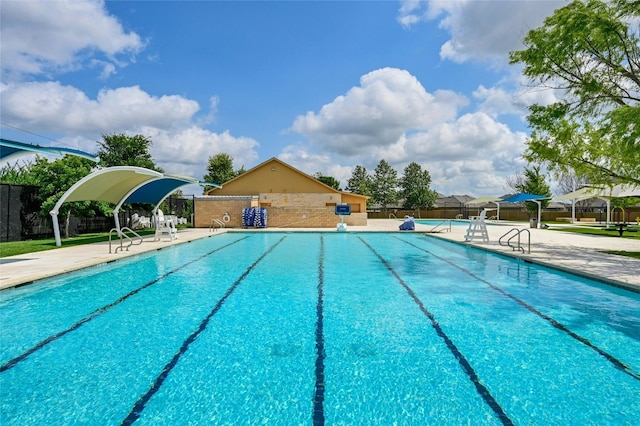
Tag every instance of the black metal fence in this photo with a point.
(20, 220)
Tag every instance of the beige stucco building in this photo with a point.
(291, 198)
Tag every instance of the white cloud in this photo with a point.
(387, 103)
(39, 37)
(179, 146)
(186, 150)
(52, 106)
(390, 116)
(480, 30)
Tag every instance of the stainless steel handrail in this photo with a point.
(441, 223)
(215, 221)
(517, 234)
(122, 236)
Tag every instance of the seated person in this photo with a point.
(408, 224)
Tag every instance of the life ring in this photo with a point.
(226, 218)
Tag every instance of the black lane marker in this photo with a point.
(615, 361)
(139, 406)
(12, 362)
(468, 369)
(318, 398)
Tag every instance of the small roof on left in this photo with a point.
(11, 149)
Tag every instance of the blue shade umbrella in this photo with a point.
(523, 197)
(12, 149)
(527, 197)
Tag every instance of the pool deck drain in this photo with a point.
(575, 253)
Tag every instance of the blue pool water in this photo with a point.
(319, 328)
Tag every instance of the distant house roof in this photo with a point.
(452, 200)
(10, 150)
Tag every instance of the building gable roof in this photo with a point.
(275, 175)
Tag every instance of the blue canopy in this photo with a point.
(523, 197)
(527, 197)
(12, 149)
(156, 191)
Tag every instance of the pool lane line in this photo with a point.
(318, 397)
(464, 363)
(618, 364)
(140, 405)
(12, 362)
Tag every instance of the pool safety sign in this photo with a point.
(342, 210)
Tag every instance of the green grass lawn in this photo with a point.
(592, 230)
(14, 248)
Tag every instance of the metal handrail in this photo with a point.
(519, 246)
(122, 236)
(441, 223)
(215, 221)
(507, 233)
(392, 216)
(138, 238)
(517, 234)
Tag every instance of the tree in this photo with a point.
(220, 170)
(359, 182)
(17, 174)
(328, 180)
(589, 51)
(123, 150)
(384, 185)
(532, 181)
(55, 178)
(415, 190)
(569, 182)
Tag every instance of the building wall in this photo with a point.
(310, 217)
(283, 211)
(208, 208)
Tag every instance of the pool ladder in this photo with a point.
(513, 235)
(443, 224)
(214, 222)
(122, 236)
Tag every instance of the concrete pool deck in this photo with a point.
(576, 253)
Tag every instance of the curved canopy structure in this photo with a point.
(10, 150)
(604, 193)
(486, 200)
(119, 185)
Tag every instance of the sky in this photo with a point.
(322, 85)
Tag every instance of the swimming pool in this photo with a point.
(314, 328)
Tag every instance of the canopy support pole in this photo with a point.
(539, 203)
(56, 227)
(116, 219)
